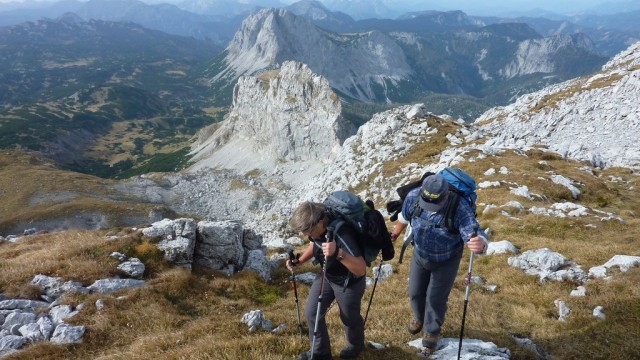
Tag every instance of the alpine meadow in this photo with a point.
(152, 157)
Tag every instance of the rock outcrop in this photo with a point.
(594, 118)
(286, 115)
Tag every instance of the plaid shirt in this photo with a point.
(431, 239)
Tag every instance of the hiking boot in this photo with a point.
(307, 355)
(430, 341)
(414, 327)
(350, 352)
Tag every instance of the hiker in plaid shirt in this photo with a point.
(437, 252)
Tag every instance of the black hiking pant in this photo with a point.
(349, 300)
(429, 286)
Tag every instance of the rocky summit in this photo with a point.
(351, 62)
(288, 115)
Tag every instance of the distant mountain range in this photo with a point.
(610, 33)
(218, 20)
(104, 86)
(164, 17)
(409, 58)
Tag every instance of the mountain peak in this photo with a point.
(285, 115)
(360, 65)
(255, 45)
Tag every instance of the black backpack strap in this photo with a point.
(333, 228)
(408, 240)
(417, 210)
(450, 212)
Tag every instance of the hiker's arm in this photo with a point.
(398, 228)
(356, 264)
(466, 223)
(306, 255)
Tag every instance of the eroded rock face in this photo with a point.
(220, 244)
(178, 239)
(286, 115)
(354, 63)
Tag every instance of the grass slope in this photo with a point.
(33, 192)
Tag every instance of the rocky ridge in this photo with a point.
(593, 118)
(403, 61)
(351, 62)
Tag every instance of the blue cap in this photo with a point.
(433, 193)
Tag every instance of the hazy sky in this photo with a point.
(560, 6)
(472, 7)
(484, 7)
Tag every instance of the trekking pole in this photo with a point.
(373, 292)
(295, 291)
(466, 295)
(315, 326)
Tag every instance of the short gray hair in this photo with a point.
(307, 215)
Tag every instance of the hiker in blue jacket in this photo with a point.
(437, 252)
(344, 269)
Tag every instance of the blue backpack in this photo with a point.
(362, 216)
(462, 186)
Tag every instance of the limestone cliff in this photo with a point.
(285, 115)
(360, 65)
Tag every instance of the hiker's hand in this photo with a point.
(329, 248)
(290, 264)
(397, 229)
(476, 244)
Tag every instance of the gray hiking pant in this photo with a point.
(349, 300)
(429, 286)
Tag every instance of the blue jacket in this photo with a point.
(431, 239)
